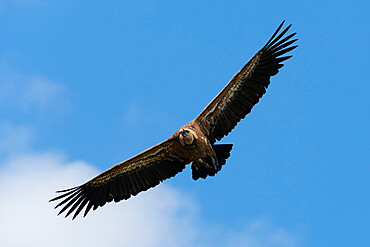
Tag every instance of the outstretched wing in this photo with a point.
(125, 179)
(245, 89)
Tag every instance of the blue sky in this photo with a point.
(86, 85)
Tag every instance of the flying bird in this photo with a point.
(194, 143)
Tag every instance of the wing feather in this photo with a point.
(124, 180)
(246, 87)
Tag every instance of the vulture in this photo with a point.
(194, 143)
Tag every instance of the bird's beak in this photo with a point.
(182, 132)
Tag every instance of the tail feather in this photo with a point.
(222, 152)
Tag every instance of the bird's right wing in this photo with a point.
(125, 179)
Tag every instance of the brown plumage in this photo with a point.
(192, 143)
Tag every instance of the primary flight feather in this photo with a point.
(192, 143)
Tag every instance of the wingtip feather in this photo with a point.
(276, 32)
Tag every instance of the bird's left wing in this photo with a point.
(125, 179)
(245, 89)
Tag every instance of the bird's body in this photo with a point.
(198, 146)
(195, 142)
(195, 146)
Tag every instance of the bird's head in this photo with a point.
(186, 136)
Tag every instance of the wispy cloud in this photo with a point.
(259, 233)
(41, 91)
(136, 114)
(14, 139)
(30, 92)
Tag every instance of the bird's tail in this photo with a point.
(222, 152)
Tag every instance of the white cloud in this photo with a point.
(160, 217)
